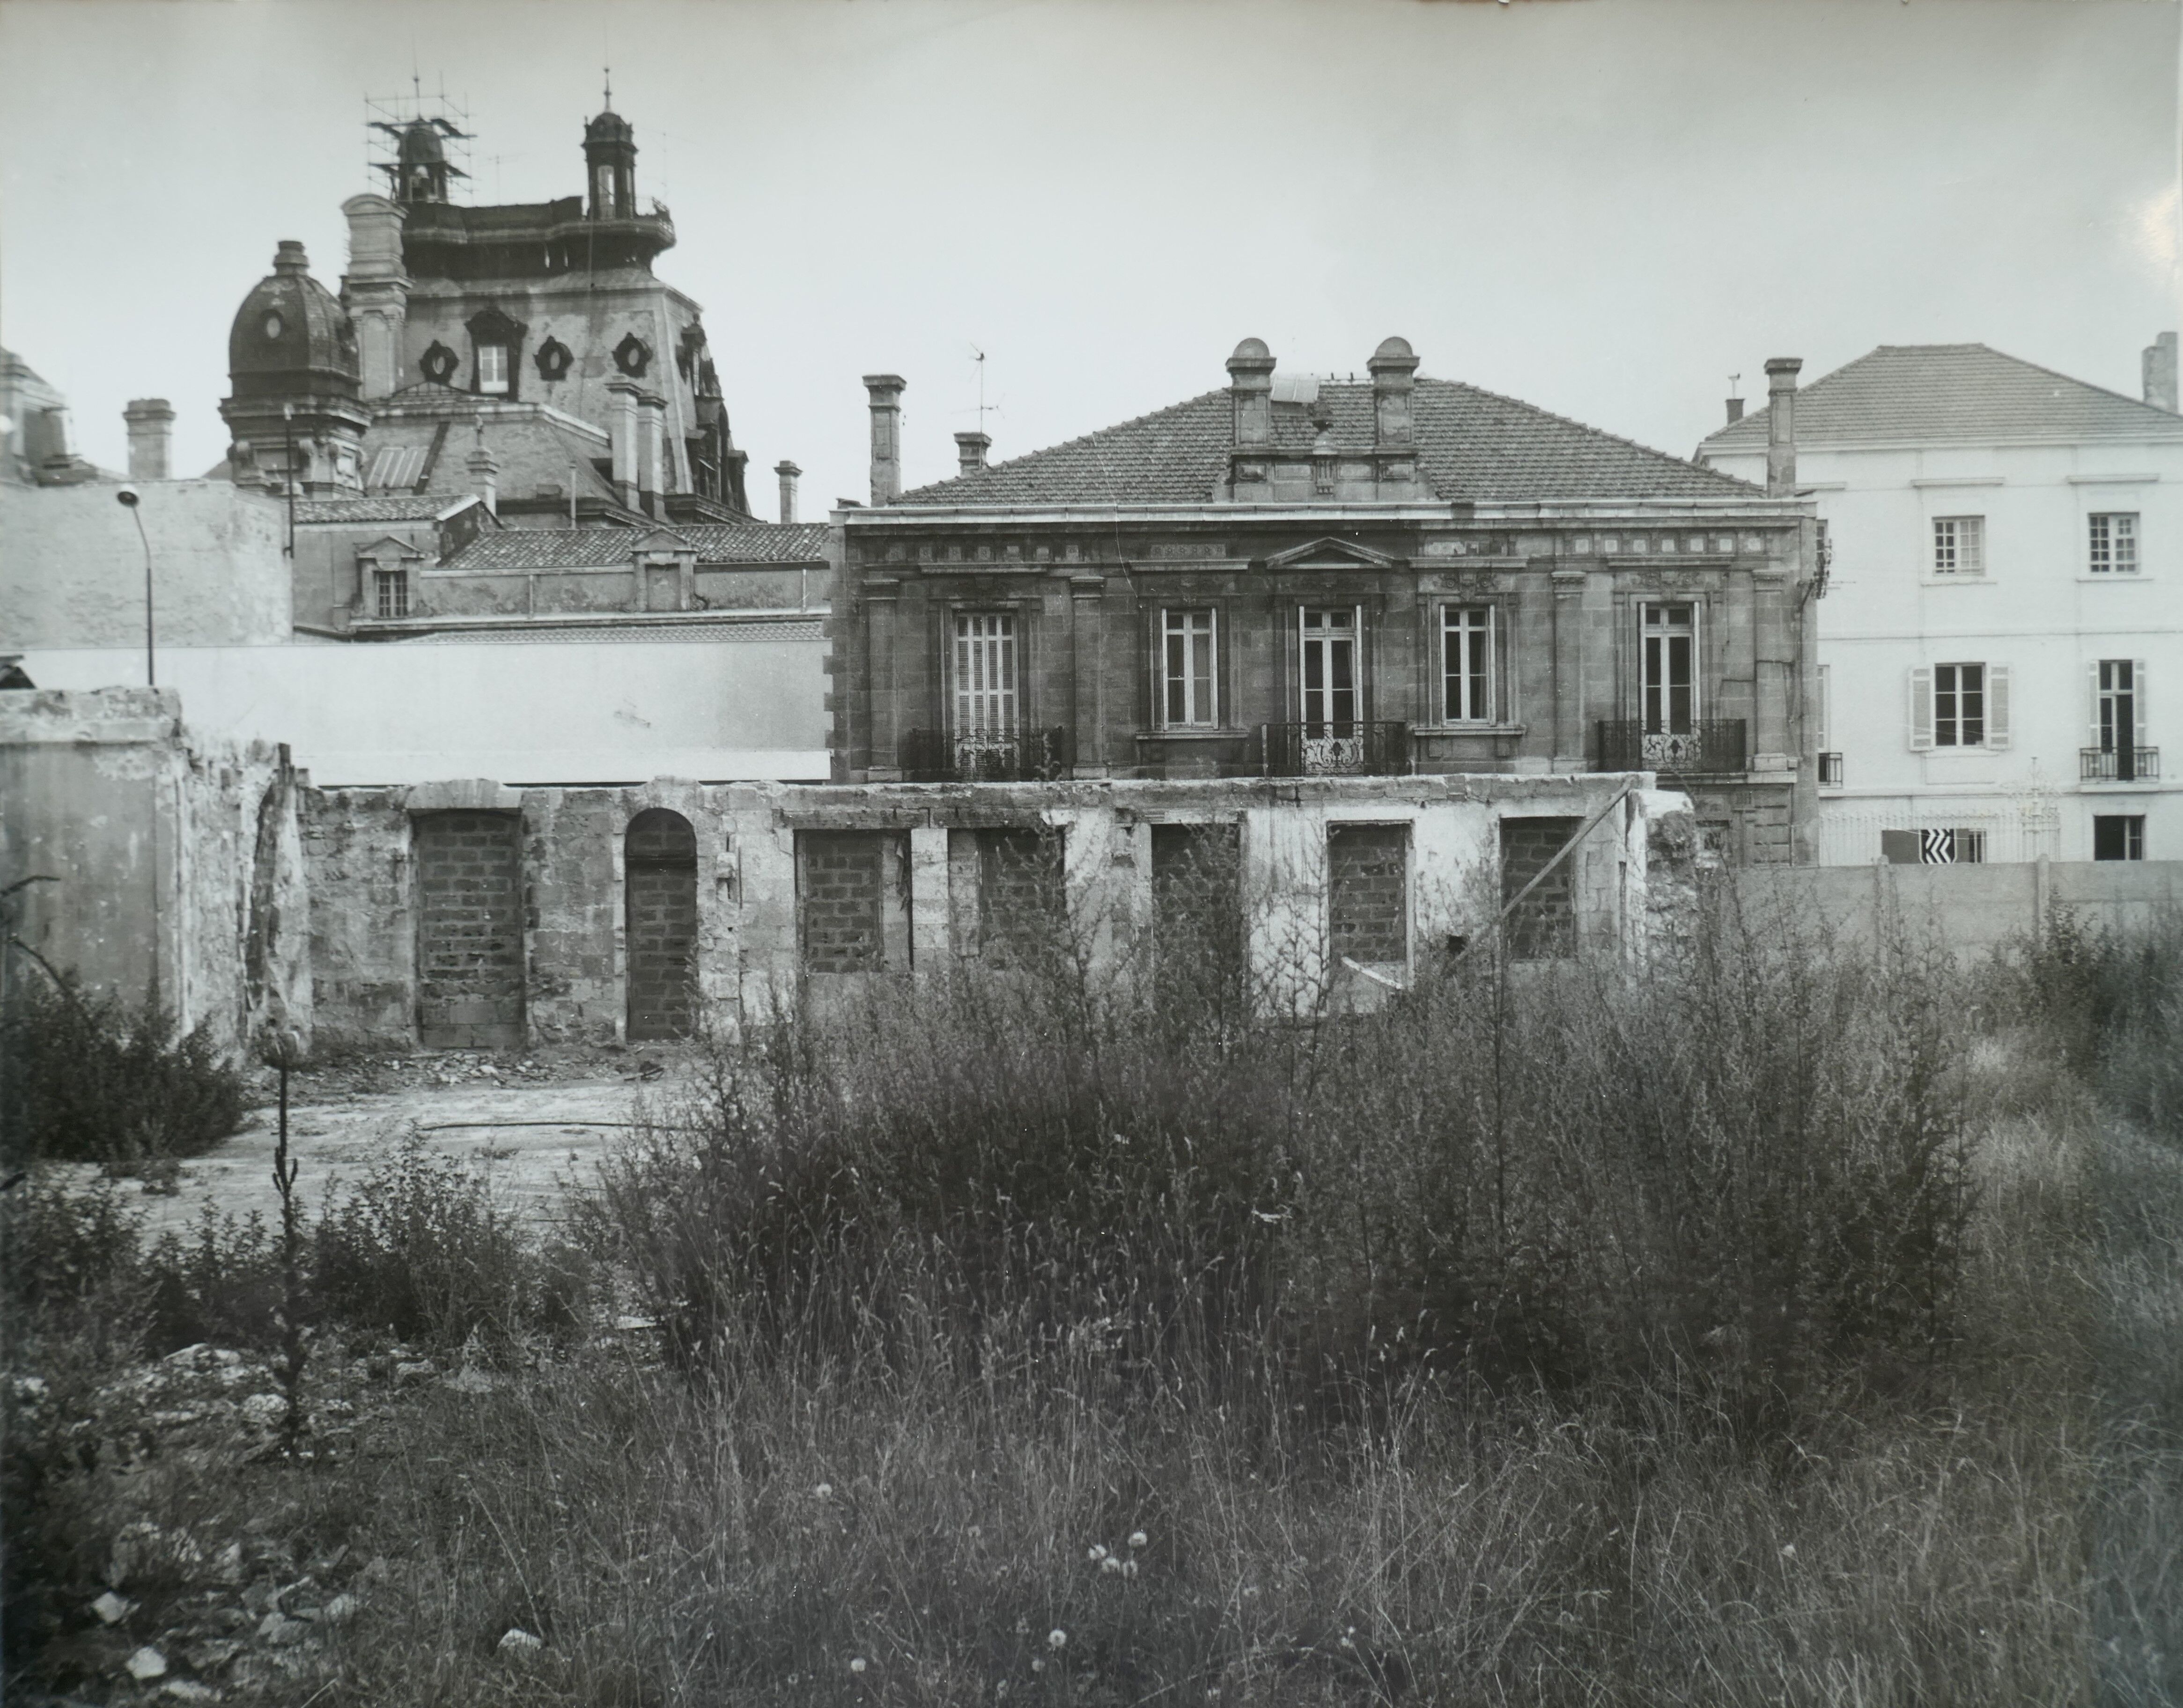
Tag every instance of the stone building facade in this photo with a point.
(1297, 576)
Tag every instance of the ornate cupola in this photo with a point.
(294, 409)
(420, 170)
(610, 166)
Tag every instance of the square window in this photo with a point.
(2113, 543)
(1959, 545)
(2118, 836)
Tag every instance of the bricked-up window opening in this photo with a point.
(985, 673)
(1959, 705)
(1197, 904)
(659, 874)
(1187, 655)
(1467, 664)
(2118, 836)
(1330, 672)
(2114, 543)
(1669, 652)
(391, 592)
(843, 903)
(469, 931)
(1007, 902)
(1959, 545)
(1545, 926)
(1368, 911)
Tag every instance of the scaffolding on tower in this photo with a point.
(387, 116)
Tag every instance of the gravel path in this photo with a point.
(338, 1138)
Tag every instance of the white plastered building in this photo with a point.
(2001, 640)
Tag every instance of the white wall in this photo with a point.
(72, 568)
(537, 712)
(2037, 609)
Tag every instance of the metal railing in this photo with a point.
(1360, 749)
(1709, 745)
(1016, 755)
(2118, 764)
(1830, 770)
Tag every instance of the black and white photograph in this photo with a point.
(1090, 853)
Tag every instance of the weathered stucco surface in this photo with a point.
(166, 851)
(72, 568)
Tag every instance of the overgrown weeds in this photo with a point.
(86, 1078)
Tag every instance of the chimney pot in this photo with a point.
(970, 450)
(485, 475)
(1782, 373)
(788, 471)
(150, 421)
(885, 390)
(2159, 369)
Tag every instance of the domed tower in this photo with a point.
(610, 166)
(294, 410)
(420, 170)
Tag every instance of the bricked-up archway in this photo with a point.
(469, 931)
(661, 872)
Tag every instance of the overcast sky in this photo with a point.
(1604, 206)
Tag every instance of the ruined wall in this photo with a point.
(787, 885)
(72, 568)
(154, 836)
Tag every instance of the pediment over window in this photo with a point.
(664, 542)
(1330, 554)
(490, 326)
(389, 552)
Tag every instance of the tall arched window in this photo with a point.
(660, 872)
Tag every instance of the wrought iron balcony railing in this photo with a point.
(1015, 756)
(1830, 770)
(1358, 749)
(1709, 745)
(2118, 764)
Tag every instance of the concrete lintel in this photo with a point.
(462, 795)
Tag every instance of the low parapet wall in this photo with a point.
(1973, 909)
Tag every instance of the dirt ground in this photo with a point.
(532, 1123)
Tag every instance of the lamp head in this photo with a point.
(125, 494)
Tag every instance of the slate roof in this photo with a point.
(381, 507)
(1472, 445)
(604, 548)
(1957, 393)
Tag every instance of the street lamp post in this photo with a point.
(129, 499)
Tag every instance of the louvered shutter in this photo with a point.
(1921, 707)
(1997, 707)
(2092, 701)
(2140, 733)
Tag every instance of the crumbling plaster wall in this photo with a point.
(1634, 877)
(152, 834)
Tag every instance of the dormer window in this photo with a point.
(496, 346)
(492, 369)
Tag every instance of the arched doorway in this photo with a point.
(661, 883)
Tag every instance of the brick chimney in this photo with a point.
(2159, 365)
(149, 421)
(788, 471)
(484, 473)
(1735, 410)
(1782, 373)
(375, 291)
(886, 390)
(1251, 385)
(1394, 367)
(970, 450)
